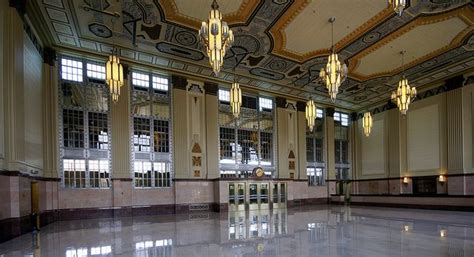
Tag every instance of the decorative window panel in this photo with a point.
(84, 127)
(248, 141)
(151, 116)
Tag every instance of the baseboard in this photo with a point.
(411, 206)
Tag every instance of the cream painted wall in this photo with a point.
(373, 149)
(468, 127)
(3, 8)
(426, 137)
(33, 105)
(415, 145)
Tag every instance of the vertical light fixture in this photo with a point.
(310, 114)
(217, 38)
(398, 6)
(367, 123)
(404, 94)
(334, 73)
(114, 75)
(235, 99)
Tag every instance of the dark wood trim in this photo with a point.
(411, 206)
(14, 173)
(411, 195)
(400, 178)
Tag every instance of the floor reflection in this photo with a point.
(316, 231)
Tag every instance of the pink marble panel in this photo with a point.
(5, 203)
(456, 185)
(14, 197)
(122, 193)
(24, 196)
(395, 186)
(469, 185)
(153, 196)
(194, 192)
(301, 190)
(84, 198)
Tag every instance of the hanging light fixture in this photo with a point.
(367, 123)
(310, 114)
(398, 6)
(235, 99)
(217, 38)
(334, 73)
(404, 94)
(114, 75)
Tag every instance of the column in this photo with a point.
(50, 114)
(13, 91)
(212, 130)
(287, 140)
(301, 134)
(329, 139)
(180, 148)
(456, 185)
(122, 182)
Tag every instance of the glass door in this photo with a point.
(236, 196)
(253, 196)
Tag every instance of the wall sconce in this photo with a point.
(405, 180)
(442, 178)
(443, 233)
(406, 228)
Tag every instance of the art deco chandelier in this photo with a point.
(404, 94)
(235, 99)
(334, 73)
(114, 75)
(367, 123)
(216, 37)
(310, 114)
(398, 6)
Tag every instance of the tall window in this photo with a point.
(341, 145)
(151, 101)
(84, 127)
(246, 142)
(315, 153)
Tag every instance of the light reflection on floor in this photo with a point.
(312, 231)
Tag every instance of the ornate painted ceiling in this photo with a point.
(280, 45)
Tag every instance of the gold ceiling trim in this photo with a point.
(277, 31)
(240, 16)
(466, 14)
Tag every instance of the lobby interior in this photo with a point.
(236, 128)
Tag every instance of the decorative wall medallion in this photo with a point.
(291, 165)
(196, 148)
(100, 30)
(197, 161)
(291, 155)
(185, 38)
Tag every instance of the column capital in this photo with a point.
(330, 112)
(301, 106)
(179, 82)
(280, 102)
(211, 88)
(49, 56)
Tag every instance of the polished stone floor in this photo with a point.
(311, 231)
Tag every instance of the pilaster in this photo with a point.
(121, 135)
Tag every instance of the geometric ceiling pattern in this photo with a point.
(280, 45)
